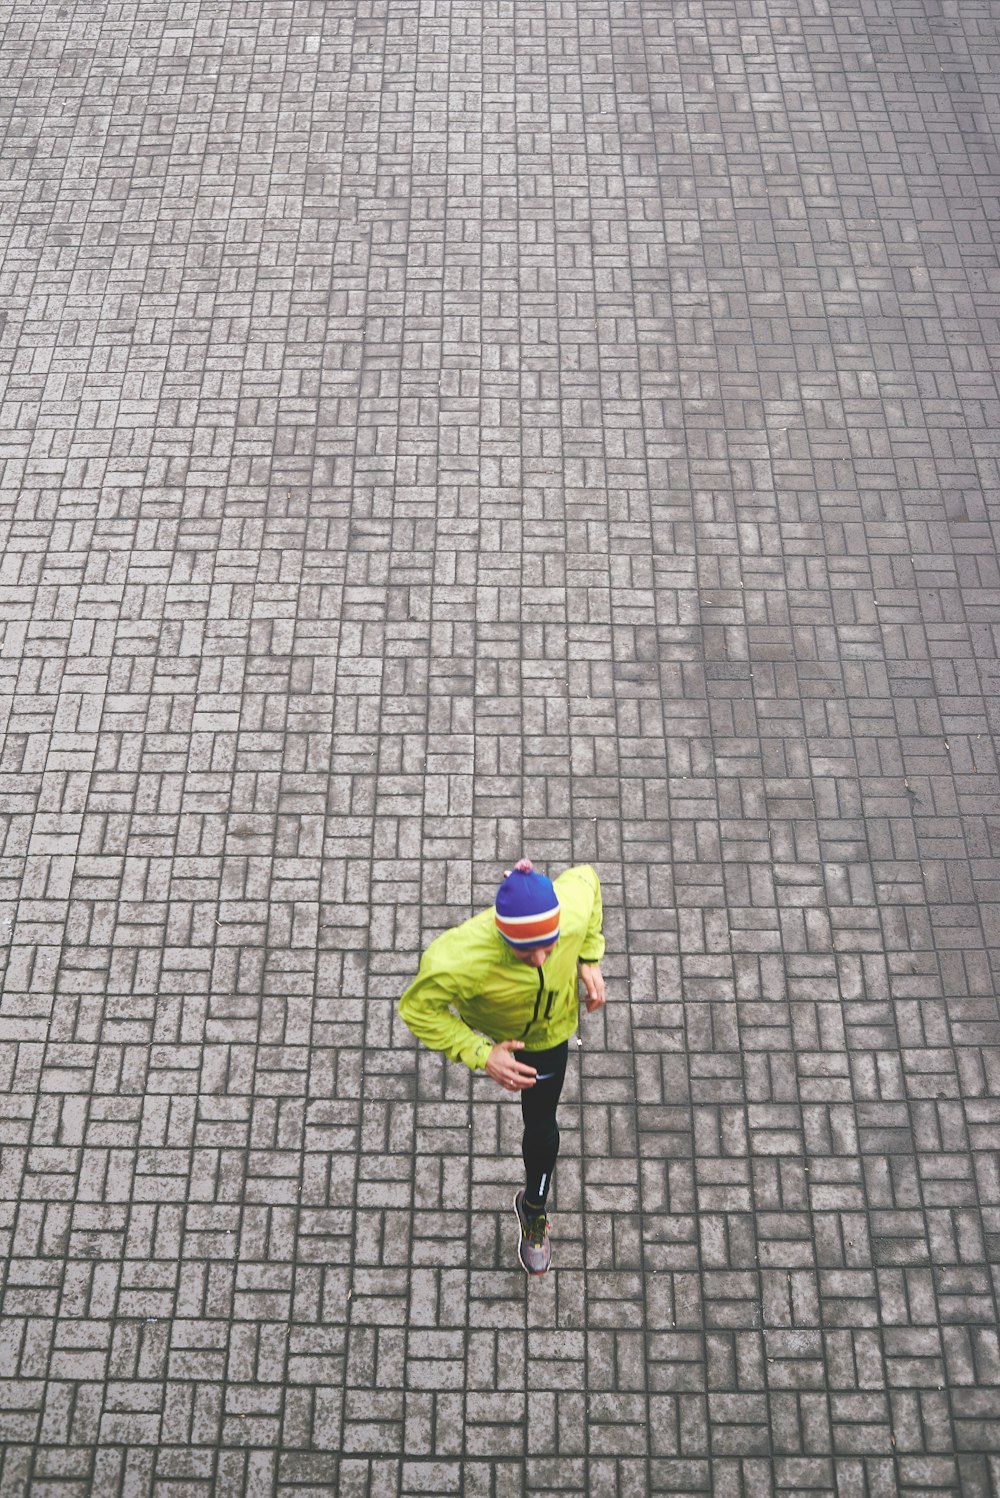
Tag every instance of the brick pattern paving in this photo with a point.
(433, 431)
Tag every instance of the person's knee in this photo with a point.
(543, 1139)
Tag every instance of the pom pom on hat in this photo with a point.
(527, 909)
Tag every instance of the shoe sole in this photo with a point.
(533, 1274)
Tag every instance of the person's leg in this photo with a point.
(540, 1141)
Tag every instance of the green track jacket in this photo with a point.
(470, 985)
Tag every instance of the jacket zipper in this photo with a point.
(538, 1000)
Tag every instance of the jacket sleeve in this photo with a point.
(426, 1009)
(593, 943)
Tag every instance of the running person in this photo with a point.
(499, 992)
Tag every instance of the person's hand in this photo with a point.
(504, 1067)
(593, 981)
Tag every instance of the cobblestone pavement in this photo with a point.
(436, 431)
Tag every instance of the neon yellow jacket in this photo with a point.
(470, 981)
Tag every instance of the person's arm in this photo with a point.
(593, 949)
(425, 1009)
(593, 943)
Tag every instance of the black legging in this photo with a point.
(540, 1141)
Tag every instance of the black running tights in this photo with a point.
(540, 1142)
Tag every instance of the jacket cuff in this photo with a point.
(477, 1053)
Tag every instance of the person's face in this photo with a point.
(536, 956)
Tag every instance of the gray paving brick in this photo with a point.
(436, 432)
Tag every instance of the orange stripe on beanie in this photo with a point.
(527, 908)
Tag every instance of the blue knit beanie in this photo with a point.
(527, 909)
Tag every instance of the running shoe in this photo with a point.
(533, 1249)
